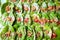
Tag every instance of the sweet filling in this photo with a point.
(29, 33)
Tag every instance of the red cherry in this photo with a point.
(54, 35)
(26, 20)
(36, 20)
(41, 21)
(19, 19)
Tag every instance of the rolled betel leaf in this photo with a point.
(5, 7)
(39, 32)
(20, 19)
(21, 33)
(35, 8)
(18, 8)
(47, 32)
(35, 18)
(30, 33)
(27, 20)
(26, 8)
(10, 19)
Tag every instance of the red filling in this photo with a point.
(53, 35)
(26, 20)
(18, 19)
(36, 20)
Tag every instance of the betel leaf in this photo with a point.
(3, 7)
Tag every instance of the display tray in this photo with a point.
(30, 20)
